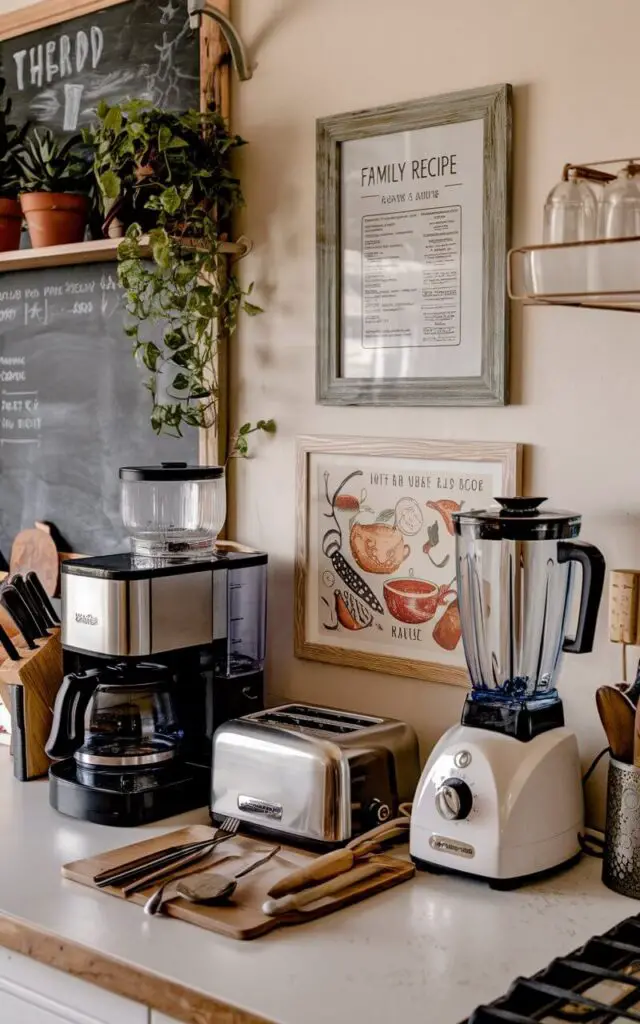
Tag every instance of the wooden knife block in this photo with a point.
(38, 674)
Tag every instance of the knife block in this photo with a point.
(29, 687)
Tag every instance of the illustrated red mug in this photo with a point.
(414, 601)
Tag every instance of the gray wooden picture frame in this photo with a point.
(491, 386)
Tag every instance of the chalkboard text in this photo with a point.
(60, 57)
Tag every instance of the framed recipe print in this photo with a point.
(412, 239)
(375, 552)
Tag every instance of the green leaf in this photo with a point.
(113, 120)
(241, 446)
(170, 200)
(150, 355)
(177, 143)
(173, 340)
(180, 382)
(109, 183)
(245, 429)
(102, 109)
(269, 426)
(164, 138)
(251, 309)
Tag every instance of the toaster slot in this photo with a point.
(317, 721)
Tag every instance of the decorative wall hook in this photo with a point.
(196, 9)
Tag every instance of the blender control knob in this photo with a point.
(454, 799)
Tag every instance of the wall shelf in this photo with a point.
(599, 274)
(102, 251)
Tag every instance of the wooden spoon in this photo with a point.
(617, 715)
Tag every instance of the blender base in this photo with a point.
(499, 884)
(497, 808)
(187, 789)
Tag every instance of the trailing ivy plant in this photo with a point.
(173, 170)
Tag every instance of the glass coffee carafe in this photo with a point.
(116, 720)
(515, 569)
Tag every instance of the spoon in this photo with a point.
(204, 887)
(617, 715)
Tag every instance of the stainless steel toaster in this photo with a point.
(312, 773)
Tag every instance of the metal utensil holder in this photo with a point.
(621, 861)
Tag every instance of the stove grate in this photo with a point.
(596, 984)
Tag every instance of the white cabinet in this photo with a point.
(31, 993)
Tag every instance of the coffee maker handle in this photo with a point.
(593, 570)
(67, 728)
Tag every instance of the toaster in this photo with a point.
(312, 774)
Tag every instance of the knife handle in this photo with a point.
(319, 870)
(13, 603)
(9, 646)
(40, 620)
(298, 900)
(34, 582)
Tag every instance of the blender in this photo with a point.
(501, 794)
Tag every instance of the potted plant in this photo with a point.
(11, 139)
(172, 173)
(55, 182)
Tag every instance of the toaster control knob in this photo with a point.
(378, 812)
(454, 799)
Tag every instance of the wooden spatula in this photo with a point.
(618, 716)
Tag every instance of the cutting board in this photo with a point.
(241, 918)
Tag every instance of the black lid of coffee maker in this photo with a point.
(171, 471)
(518, 519)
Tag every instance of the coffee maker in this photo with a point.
(501, 794)
(161, 645)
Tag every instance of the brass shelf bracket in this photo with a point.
(196, 9)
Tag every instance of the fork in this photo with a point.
(149, 871)
(176, 870)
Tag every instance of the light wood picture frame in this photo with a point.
(375, 563)
(413, 226)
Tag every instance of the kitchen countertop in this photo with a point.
(430, 950)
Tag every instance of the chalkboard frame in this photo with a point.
(214, 85)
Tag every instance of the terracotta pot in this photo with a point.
(377, 547)
(55, 218)
(10, 224)
(414, 601)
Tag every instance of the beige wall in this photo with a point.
(575, 374)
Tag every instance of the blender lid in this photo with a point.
(171, 471)
(518, 519)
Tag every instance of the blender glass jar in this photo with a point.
(173, 510)
(515, 567)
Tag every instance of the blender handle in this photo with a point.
(67, 728)
(593, 570)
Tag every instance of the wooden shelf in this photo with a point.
(598, 274)
(102, 251)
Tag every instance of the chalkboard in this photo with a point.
(142, 48)
(73, 406)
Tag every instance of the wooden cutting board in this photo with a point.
(241, 918)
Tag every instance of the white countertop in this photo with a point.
(430, 950)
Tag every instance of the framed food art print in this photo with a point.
(375, 549)
(412, 239)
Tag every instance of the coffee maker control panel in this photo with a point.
(454, 799)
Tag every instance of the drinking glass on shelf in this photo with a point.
(570, 212)
(620, 207)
